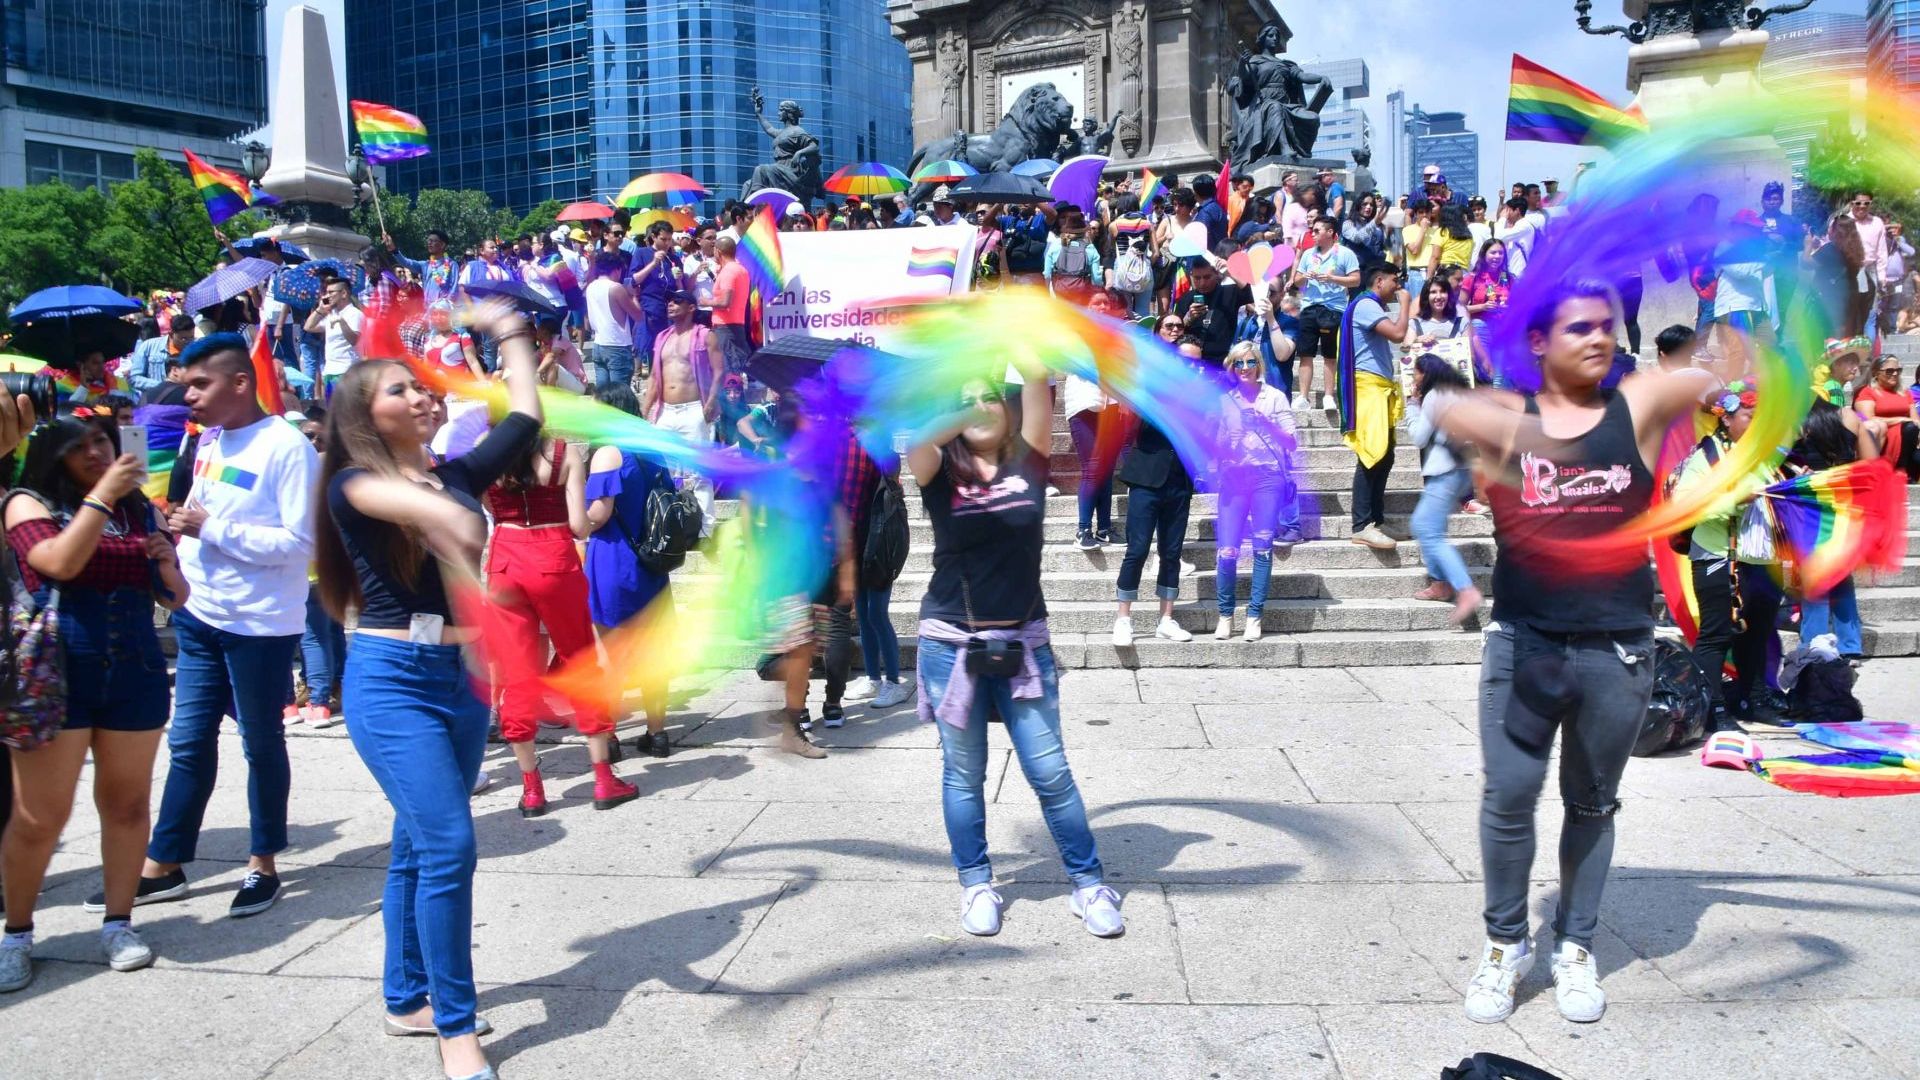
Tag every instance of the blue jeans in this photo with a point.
(1156, 516)
(879, 644)
(219, 673)
(613, 364)
(416, 724)
(1034, 727)
(1837, 613)
(322, 650)
(313, 356)
(1096, 493)
(1441, 496)
(1249, 506)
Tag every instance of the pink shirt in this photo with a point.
(1873, 237)
(732, 281)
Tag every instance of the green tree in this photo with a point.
(1840, 163)
(541, 218)
(467, 217)
(157, 234)
(49, 235)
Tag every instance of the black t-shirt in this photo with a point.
(386, 602)
(988, 536)
(1223, 318)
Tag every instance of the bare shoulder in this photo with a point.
(605, 459)
(24, 508)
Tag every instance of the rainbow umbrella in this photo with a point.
(660, 191)
(584, 211)
(943, 172)
(868, 178)
(680, 219)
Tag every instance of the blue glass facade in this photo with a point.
(1893, 41)
(568, 99)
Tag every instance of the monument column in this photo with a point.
(308, 168)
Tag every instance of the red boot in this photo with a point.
(609, 790)
(533, 794)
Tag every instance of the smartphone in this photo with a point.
(133, 440)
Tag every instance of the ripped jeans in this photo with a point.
(1596, 742)
(1249, 507)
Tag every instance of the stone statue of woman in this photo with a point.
(1272, 116)
(796, 155)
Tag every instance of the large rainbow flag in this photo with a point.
(1833, 521)
(1545, 107)
(759, 252)
(225, 193)
(387, 134)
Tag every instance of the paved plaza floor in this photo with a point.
(1297, 849)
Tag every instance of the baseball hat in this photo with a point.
(1429, 172)
(1730, 750)
(681, 296)
(578, 236)
(1774, 187)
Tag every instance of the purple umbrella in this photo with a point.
(1077, 180)
(228, 282)
(775, 199)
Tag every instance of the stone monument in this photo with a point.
(308, 169)
(1156, 69)
(795, 167)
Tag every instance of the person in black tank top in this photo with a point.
(1568, 646)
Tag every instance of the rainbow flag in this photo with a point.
(759, 252)
(387, 134)
(933, 262)
(1831, 522)
(225, 193)
(1843, 774)
(268, 387)
(1544, 107)
(1229, 199)
(1151, 188)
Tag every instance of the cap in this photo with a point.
(1551, 180)
(942, 194)
(1437, 178)
(1748, 218)
(680, 296)
(1430, 171)
(558, 235)
(1774, 187)
(1730, 750)
(578, 236)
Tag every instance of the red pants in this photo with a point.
(536, 580)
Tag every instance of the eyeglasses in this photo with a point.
(1862, 202)
(979, 401)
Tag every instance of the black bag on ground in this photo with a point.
(1026, 252)
(1485, 1066)
(672, 527)
(1681, 708)
(1823, 694)
(885, 552)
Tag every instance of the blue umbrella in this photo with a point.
(254, 245)
(228, 282)
(1036, 167)
(298, 287)
(65, 301)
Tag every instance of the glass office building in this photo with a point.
(1893, 41)
(571, 99)
(1344, 127)
(87, 82)
(1442, 139)
(1822, 54)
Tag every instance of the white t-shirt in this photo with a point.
(246, 572)
(340, 354)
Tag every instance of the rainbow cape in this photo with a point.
(387, 134)
(1545, 107)
(1230, 200)
(225, 193)
(167, 429)
(1830, 522)
(759, 252)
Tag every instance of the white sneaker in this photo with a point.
(1099, 909)
(1122, 632)
(16, 967)
(1171, 630)
(980, 911)
(1490, 994)
(1252, 632)
(125, 951)
(1576, 984)
(890, 694)
(1224, 630)
(859, 689)
(1299, 401)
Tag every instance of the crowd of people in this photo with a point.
(280, 529)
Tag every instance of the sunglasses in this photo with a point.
(1239, 365)
(616, 232)
(980, 401)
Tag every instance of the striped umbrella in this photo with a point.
(660, 191)
(868, 178)
(680, 219)
(229, 281)
(946, 171)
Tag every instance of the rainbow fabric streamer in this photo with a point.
(1550, 108)
(1873, 736)
(225, 193)
(1151, 188)
(1831, 522)
(387, 134)
(759, 252)
(933, 262)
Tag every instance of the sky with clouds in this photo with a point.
(1456, 56)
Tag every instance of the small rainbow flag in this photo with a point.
(933, 262)
(759, 252)
(387, 134)
(267, 388)
(1228, 198)
(1544, 107)
(1151, 188)
(225, 193)
(1836, 520)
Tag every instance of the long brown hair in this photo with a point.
(1846, 237)
(958, 461)
(352, 443)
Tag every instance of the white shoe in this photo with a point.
(1099, 909)
(125, 951)
(1122, 632)
(1224, 630)
(860, 689)
(1576, 984)
(1490, 994)
(980, 911)
(1253, 631)
(16, 967)
(1171, 630)
(890, 694)
(1299, 401)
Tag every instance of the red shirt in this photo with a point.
(1885, 404)
(731, 280)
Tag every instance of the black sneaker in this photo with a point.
(1084, 539)
(832, 715)
(257, 894)
(1104, 537)
(655, 745)
(153, 890)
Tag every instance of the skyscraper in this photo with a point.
(1443, 139)
(1344, 127)
(88, 82)
(1893, 42)
(570, 99)
(1823, 54)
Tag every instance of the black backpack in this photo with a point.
(1823, 694)
(672, 527)
(1681, 708)
(1026, 252)
(1494, 1067)
(885, 554)
(1682, 541)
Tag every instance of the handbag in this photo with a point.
(996, 658)
(33, 662)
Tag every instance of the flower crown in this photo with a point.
(1739, 394)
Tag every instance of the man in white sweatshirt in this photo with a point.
(246, 536)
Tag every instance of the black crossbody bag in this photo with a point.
(994, 658)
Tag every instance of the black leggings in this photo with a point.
(1632, 291)
(1713, 587)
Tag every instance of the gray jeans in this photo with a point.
(1616, 673)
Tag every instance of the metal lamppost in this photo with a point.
(254, 160)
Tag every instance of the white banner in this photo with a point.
(834, 279)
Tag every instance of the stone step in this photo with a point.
(1324, 504)
(1199, 551)
(1324, 451)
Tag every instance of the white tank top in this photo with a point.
(609, 327)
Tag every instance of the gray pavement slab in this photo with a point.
(1248, 687)
(1363, 724)
(644, 838)
(1390, 774)
(1395, 1041)
(1444, 683)
(1885, 1026)
(1114, 776)
(1856, 832)
(842, 776)
(1702, 1041)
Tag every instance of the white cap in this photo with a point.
(942, 195)
(1430, 171)
(795, 210)
(559, 234)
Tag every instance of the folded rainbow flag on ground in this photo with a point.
(1870, 757)
(387, 134)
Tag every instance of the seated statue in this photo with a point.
(796, 156)
(1272, 115)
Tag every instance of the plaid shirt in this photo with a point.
(119, 562)
(855, 478)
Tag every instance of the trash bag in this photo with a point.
(1823, 694)
(1681, 708)
(1484, 1066)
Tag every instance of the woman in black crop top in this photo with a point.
(1568, 646)
(985, 488)
(388, 516)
